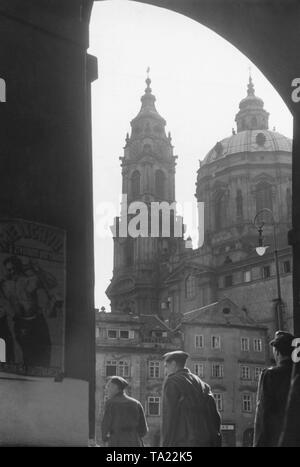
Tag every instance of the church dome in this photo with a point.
(249, 141)
(252, 134)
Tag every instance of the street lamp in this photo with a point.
(261, 249)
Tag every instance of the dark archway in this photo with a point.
(253, 28)
(46, 105)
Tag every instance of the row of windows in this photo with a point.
(246, 402)
(246, 373)
(217, 371)
(159, 184)
(264, 199)
(265, 274)
(122, 368)
(153, 404)
(216, 343)
(228, 281)
(118, 334)
(117, 368)
(257, 344)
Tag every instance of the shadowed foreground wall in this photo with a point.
(45, 144)
(46, 177)
(38, 411)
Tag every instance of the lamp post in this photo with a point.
(261, 249)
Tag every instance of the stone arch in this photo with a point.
(222, 19)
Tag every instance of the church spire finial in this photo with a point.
(250, 87)
(148, 81)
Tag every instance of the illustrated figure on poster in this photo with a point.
(28, 290)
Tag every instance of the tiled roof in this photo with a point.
(248, 141)
(214, 314)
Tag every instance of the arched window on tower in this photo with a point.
(263, 196)
(190, 286)
(289, 204)
(160, 184)
(239, 205)
(220, 210)
(136, 184)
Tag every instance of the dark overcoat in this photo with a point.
(189, 413)
(272, 394)
(124, 422)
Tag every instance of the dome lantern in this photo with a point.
(252, 115)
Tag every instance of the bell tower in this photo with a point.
(148, 180)
(148, 164)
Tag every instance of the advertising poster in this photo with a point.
(32, 298)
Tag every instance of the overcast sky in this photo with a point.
(198, 79)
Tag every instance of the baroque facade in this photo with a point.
(219, 302)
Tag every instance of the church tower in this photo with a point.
(148, 179)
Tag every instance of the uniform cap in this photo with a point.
(282, 338)
(177, 355)
(119, 381)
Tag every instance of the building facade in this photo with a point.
(224, 289)
(228, 350)
(132, 347)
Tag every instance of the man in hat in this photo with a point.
(272, 393)
(189, 413)
(124, 422)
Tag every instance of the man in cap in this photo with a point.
(272, 393)
(189, 413)
(124, 422)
